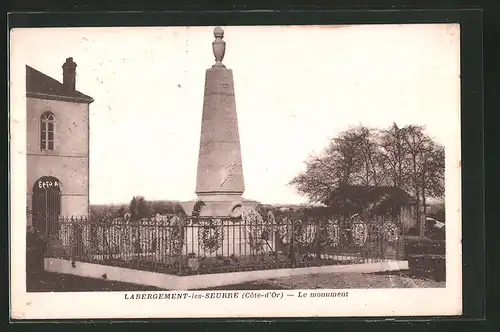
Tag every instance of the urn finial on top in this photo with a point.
(219, 47)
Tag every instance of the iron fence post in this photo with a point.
(401, 244)
(318, 236)
(181, 242)
(292, 242)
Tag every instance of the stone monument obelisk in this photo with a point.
(219, 179)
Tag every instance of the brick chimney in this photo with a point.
(69, 75)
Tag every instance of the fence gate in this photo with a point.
(46, 205)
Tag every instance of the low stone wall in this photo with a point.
(172, 282)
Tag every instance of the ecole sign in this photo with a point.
(44, 184)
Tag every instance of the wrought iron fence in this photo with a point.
(189, 245)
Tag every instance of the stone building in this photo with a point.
(57, 147)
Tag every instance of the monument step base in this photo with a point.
(219, 208)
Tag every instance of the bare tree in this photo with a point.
(320, 179)
(393, 155)
(432, 173)
(400, 157)
(366, 154)
(352, 158)
(415, 144)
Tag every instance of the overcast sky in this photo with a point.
(296, 87)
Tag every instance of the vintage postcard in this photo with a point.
(256, 171)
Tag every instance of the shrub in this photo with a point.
(424, 246)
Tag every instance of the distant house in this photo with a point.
(374, 200)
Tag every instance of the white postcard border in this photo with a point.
(359, 302)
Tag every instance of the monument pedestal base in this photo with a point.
(219, 205)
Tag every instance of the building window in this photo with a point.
(47, 131)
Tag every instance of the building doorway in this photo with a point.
(46, 205)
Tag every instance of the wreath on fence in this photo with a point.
(210, 235)
(359, 233)
(176, 235)
(163, 236)
(390, 231)
(284, 231)
(65, 226)
(307, 233)
(257, 228)
(271, 220)
(302, 232)
(333, 233)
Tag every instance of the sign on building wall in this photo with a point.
(47, 184)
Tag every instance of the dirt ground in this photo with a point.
(56, 282)
(53, 282)
(349, 280)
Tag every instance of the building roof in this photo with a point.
(373, 193)
(375, 198)
(40, 85)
